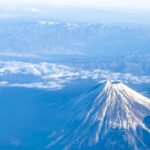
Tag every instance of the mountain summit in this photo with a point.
(106, 111)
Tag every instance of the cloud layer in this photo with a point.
(53, 76)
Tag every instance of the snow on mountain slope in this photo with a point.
(111, 105)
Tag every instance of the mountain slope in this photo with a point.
(107, 110)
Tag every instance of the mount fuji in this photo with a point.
(110, 116)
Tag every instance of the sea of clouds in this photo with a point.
(54, 76)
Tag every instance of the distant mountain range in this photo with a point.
(49, 37)
(120, 47)
(109, 116)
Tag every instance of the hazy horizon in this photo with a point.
(113, 11)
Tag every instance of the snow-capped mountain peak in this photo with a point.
(125, 107)
(108, 106)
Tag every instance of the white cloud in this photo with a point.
(36, 10)
(4, 83)
(55, 76)
(39, 85)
